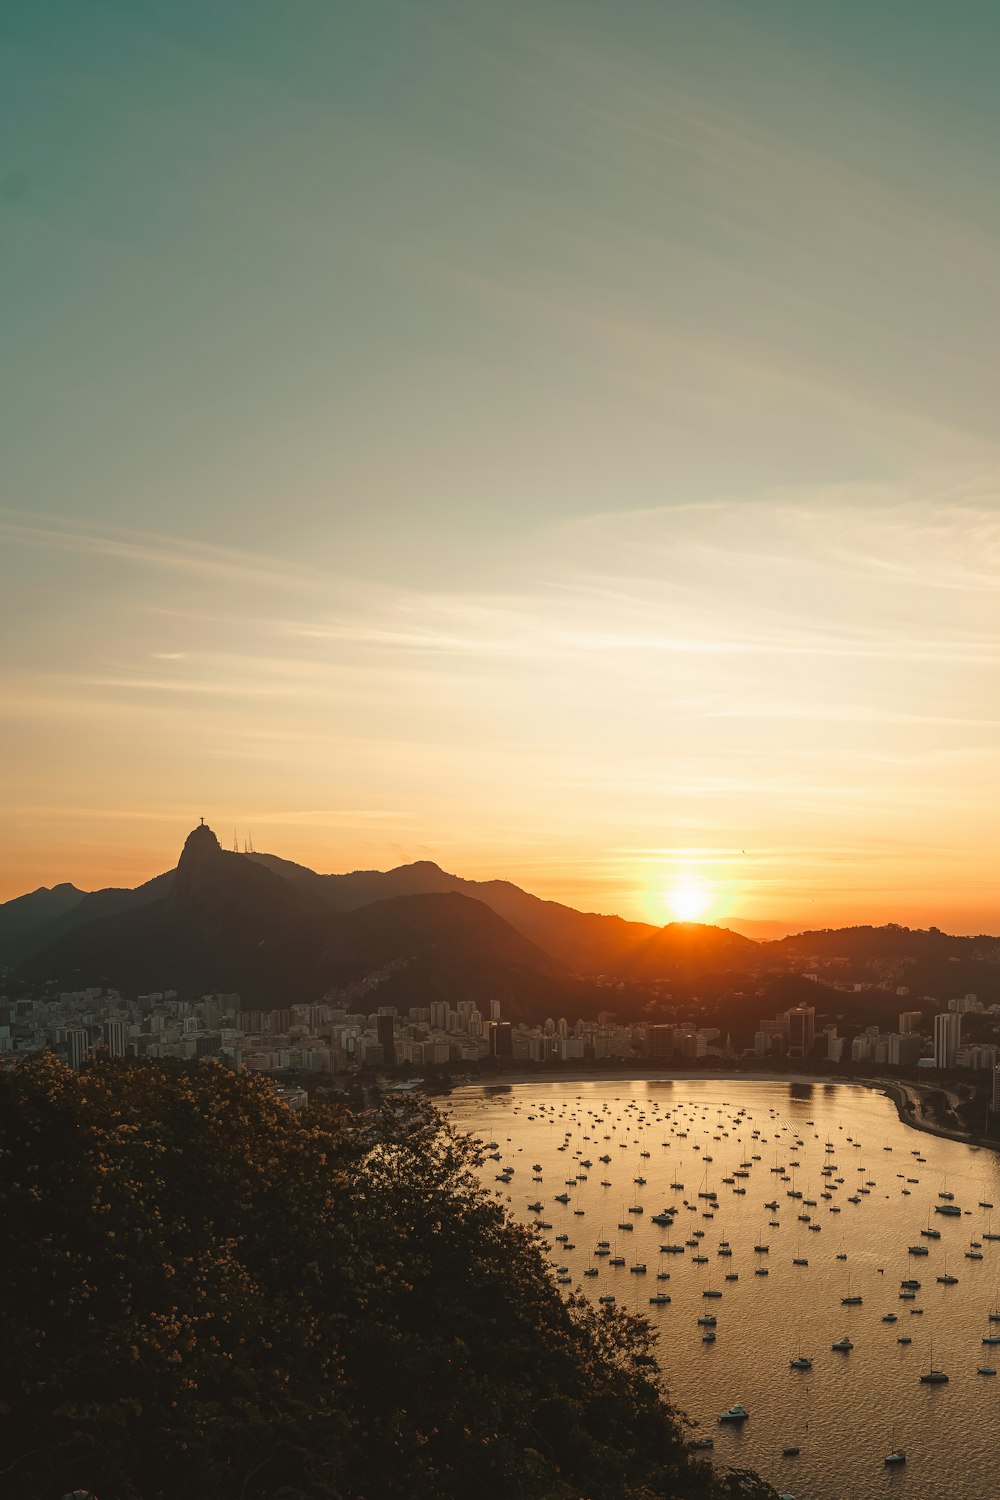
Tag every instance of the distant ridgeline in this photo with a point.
(266, 928)
(205, 1295)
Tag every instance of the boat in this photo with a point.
(736, 1413)
(897, 1455)
(789, 1452)
(842, 1346)
(660, 1300)
(985, 1370)
(948, 1208)
(932, 1376)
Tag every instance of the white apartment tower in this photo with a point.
(947, 1038)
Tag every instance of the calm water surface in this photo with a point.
(850, 1409)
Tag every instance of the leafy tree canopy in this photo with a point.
(205, 1294)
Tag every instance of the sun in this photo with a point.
(688, 900)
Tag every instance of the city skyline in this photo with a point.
(556, 443)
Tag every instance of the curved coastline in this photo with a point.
(907, 1097)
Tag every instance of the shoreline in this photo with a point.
(907, 1097)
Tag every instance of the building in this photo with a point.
(909, 1021)
(947, 1038)
(77, 1045)
(659, 1042)
(114, 1032)
(864, 1046)
(996, 1088)
(801, 1030)
(385, 1030)
(905, 1049)
(294, 1098)
(501, 1035)
(769, 1039)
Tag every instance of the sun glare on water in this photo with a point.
(688, 901)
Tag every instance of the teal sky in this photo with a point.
(559, 439)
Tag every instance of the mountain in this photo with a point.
(224, 921)
(30, 919)
(271, 929)
(585, 942)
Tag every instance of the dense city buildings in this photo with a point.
(345, 1034)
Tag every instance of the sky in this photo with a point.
(551, 438)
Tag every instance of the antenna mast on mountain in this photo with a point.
(236, 846)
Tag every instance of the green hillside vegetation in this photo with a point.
(206, 1295)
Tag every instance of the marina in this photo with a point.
(809, 1361)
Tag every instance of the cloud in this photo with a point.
(149, 550)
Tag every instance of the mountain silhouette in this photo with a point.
(225, 921)
(273, 929)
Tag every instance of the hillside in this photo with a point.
(268, 927)
(230, 923)
(207, 1295)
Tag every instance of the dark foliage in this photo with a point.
(206, 1295)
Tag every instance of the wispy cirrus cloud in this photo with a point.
(152, 551)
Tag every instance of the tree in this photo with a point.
(208, 1295)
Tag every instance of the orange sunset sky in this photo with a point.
(564, 453)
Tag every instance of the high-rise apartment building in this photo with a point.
(660, 1042)
(909, 1020)
(114, 1032)
(385, 1030)
(501, 1039)
(77, 1045)
(947, 1038)
(801, 1030)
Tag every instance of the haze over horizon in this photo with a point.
(559, 442)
